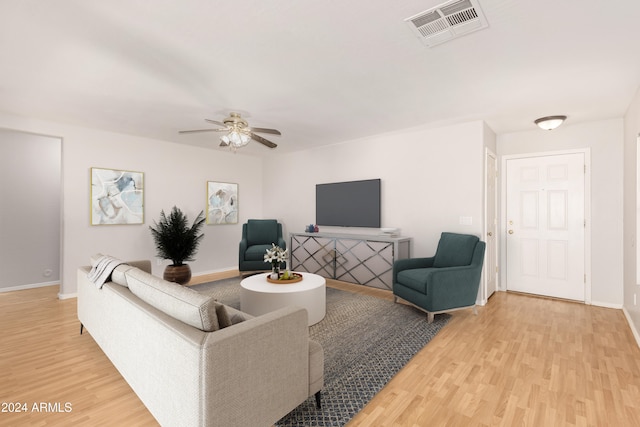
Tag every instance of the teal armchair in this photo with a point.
(445, 282)
(257, 237)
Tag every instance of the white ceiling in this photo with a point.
(320, 71)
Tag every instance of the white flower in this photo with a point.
(276, 254)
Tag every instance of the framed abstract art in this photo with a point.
(222, 203)
(117, 197)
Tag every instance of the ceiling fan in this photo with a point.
(238, 133)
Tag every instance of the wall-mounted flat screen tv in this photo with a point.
(349, 204)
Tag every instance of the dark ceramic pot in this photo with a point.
(180, 274)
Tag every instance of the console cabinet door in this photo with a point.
(366, 262)
(313, 254)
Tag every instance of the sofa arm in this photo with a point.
(242, 249)
(453, 287)
(410, 263)
(257, 371)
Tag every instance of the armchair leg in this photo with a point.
(318, 404)
(430, 317)
(475, 310)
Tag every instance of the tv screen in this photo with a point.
(349, 204)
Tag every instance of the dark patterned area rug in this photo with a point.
(366, 341)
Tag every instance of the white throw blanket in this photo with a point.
(101, 272)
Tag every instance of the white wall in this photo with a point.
(631, 288)
(430, 178)
(605, 139)
(174, 175)
(30, 209)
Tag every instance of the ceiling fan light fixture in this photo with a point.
(237, 132)
(550, 122)
(235, 138)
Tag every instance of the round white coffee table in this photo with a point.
(257, 296)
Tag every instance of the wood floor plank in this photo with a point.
(527, 361)
(522, 360)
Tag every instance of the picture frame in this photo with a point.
(117, 197)
(222, 203)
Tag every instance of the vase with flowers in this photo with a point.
(276, 256)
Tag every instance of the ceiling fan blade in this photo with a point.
(261, 140)
(215, 122)
(265, 130)
(201, 130)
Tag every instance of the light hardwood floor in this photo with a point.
(521, 361)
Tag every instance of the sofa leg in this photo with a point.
(475, 310)
(318, 404)
(430, 317)
(395, 299)
(81, 328)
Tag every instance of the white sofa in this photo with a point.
(162, 338)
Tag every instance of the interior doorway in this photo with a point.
(545, 224)
(30, 218)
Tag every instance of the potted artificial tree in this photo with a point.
(178, 242)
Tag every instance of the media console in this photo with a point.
(361, 259)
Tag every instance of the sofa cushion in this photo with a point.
(256, 252)
(195, 309)
(261, 231)
(236, 316)
(455, 250)
(316, 366)
(223, 317)
(118, 274)
(119, 277)
(415, 278)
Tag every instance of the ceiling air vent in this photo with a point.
(447, 21)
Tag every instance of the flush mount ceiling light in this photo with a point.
(550, 122)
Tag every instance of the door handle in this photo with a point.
(489, 234)
(510, 231)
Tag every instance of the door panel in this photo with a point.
(545, 225)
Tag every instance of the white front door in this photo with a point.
(546, 225)
(491, 226)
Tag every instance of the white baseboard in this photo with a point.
(67, 296)
(632, 326)
(29, 286)
(606, 305)
(217, 270)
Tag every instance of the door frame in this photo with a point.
(502, 228)
(488, 153)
